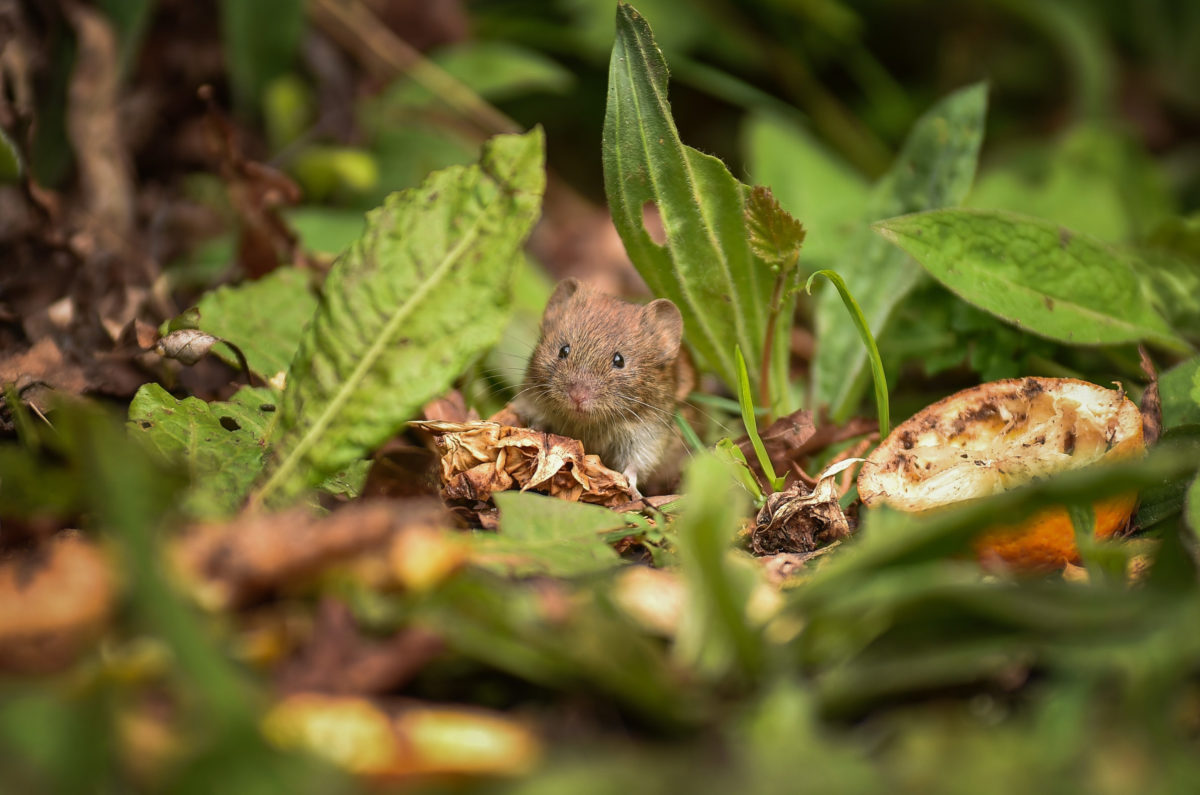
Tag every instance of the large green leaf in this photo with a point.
(544, 536)
(706, 266)
(1033, 273)
(219, 444)
(934, 169)
(424, 290)
(1179, 390)
(264, 318)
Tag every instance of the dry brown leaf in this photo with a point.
(1151, 405)
(480, 458)
(338, 658)
(799, 520)
(54, 601)
(39, 371)
(237, 562)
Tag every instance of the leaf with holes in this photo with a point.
(706, 265)
(935, 168)
(220, 445)
(1035, 274)
(425, 289)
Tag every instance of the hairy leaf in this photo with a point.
(220, 445)
(706, 265)
(546, 536)
(264, 318)
(934, 169)
(1033, 273)
(424, 290)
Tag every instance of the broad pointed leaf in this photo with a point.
(934, 169)
(1033, 273)
(424, 290)
(706, 265)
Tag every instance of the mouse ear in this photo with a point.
(562, 292)
(558, 300)
(663, 317)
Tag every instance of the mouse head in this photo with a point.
(599, 354)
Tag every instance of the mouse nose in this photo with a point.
(579, 394)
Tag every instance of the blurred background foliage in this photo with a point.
(899, 670)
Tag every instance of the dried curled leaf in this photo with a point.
(481, 458)
(53, 602)
(187, 346)
(797, 520)
(236, 562)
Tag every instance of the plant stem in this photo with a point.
(747, 403)
(764, 382)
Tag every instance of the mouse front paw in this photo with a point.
(632, 476)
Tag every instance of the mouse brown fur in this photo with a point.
(610, 373)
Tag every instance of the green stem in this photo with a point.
(881, 391)
(747, 406)
(689, 435)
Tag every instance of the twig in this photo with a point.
(380, 51)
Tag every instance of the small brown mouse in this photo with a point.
(610, 373)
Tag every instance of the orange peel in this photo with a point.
(1000, 435)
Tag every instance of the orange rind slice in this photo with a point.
(1000, 435)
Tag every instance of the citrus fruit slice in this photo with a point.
(1000, 435)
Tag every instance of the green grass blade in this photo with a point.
(746, 401)
(864, 331)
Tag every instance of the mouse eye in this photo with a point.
(618, 360)
(563, 351)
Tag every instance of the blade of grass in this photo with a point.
(881, 391)
(746, 401)
(689, 435)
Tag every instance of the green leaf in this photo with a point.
(220, 445)
(545, 536)
(934, 169)
(706, 265)
(260, 40)
(1193, 506)
(1033, 273)
(423, 291)
(810, 182)
(746, 403)
(775, 236)
(325, 229)
(265, 318)
(716, 637)
(1179, 391)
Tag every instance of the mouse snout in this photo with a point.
(579, 395)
